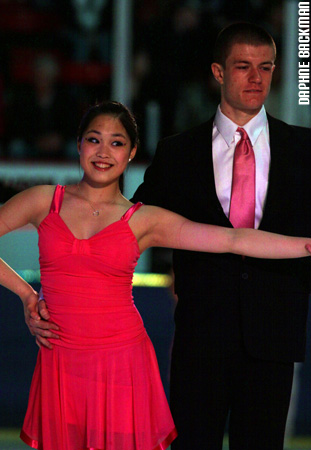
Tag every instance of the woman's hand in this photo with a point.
(37, 319)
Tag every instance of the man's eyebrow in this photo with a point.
(241, 61)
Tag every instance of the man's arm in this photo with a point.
(37, 319)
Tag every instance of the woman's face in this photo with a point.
(105, 149)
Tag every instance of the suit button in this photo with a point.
(245, 276)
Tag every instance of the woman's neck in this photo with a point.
(99, 194)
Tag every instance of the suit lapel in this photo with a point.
(204, 172)
(276, 192)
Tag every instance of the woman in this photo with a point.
(100, 387)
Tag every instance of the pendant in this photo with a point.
(96, 213)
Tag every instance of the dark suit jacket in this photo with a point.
(226, 301)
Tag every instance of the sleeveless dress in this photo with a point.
(100, 387)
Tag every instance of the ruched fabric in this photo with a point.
(99, 388)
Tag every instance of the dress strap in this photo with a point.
(57, 199)
(128, 214)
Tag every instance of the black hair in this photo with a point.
(116, 110)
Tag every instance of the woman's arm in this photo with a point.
(167, 229)
(19, 211)
(29, 206)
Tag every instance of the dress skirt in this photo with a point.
(105, 399)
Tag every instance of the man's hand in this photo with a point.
(308, 248)
(36, 318)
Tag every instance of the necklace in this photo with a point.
(95, 211)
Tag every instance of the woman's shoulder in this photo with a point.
(37, 199)
(28, 206)
(42, 188)
(40, 193)
(150, 214)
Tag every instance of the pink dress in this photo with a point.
(100, 387)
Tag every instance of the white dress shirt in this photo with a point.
(225, 138)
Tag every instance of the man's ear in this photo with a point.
(78, 146)
(218, 72)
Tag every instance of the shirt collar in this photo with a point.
(227, 128)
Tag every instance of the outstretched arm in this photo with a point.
(243, 241)
(167, 229)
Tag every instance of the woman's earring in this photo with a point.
(130, 159)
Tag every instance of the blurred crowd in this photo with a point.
(56, 59)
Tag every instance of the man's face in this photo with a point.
(245, 81)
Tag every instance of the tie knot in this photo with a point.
(243, 133)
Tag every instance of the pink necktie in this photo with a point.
(242, 206)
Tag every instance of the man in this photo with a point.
(240, 322)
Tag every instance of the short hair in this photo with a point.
(240, 33)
